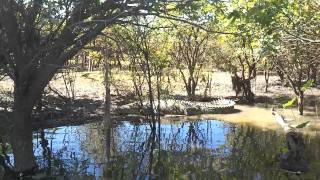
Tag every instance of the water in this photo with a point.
(206, 149)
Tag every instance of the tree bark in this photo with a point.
(266, 78)
(247, 91)
(300, 102)
(191, 88)
(314, 75)
(21, 138)
(281, 76)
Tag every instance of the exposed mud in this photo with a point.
(89, 95)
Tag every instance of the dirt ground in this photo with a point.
(91, 87)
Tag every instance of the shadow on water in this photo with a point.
(294, 157)
(206, 149)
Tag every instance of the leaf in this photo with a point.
(234, 14)
(284, 149)
(290, 103)
(302, 125)
(307, 85)
(86, 75)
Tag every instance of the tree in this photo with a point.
(146, 52)
(2, 70)
(295, 61)
(189, 56)
(282, 32)
(37, 37)
(298, 54)
(294, 49)
(241, 50)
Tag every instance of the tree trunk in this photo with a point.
(248, 94)
(300, 102)
(90, 65)
(189, 93)
(150, 92)
(314, 75)
(22, 145)
(266, 78)
(108, 123)
(236, 84)
(107, 101)
(281, 76)
(191, 88)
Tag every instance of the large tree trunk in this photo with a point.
(247, 91)
(27, 91)
(21, 138)
(191, 88)
(236, 84)
(188, 89)
(300, 102)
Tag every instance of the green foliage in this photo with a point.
(85, 75)
(302, 125)
(290, 103)
(235, 14)
(284, 149)
(307, 85)
(93, 76)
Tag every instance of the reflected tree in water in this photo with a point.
(201, 150)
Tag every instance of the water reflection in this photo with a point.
(188, 150)
(294, 158)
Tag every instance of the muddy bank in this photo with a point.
(242, 114)
(261, 118)
(88, 104)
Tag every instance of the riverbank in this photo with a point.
(263, 118)
(89, 95)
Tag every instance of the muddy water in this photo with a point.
(262, 118)
(205, 149)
